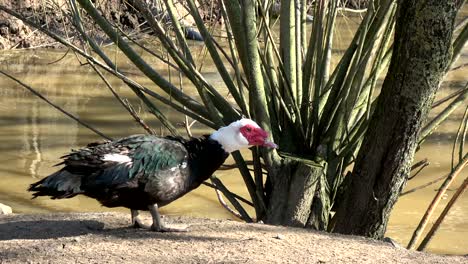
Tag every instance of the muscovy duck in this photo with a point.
(144, 172)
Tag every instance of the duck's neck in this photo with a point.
(206, 156)
(227, 138)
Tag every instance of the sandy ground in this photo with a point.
(106, 238)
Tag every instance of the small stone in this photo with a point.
(5, 209)
(279, 236)
(393, 242)
(15, 26)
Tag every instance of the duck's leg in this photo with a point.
(136, 221)
(157, 225)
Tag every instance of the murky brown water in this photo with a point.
(33, 136)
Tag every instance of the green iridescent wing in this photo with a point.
(160, 155)
(149, 155)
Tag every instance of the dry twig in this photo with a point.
(444, 213)
(422, 224)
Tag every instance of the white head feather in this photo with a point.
(231, 138)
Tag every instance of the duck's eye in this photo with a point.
(248, 129)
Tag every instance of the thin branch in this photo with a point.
(240, 198)
(459, 67)
(448, 97)
(125, 103)
(461, 24)
(443, 188)
(423, 164)
(232, 200)
(420, 163)
(166, 61)
(442, 116)
(461, 135)
(138, 119)
(225, 205)
(423, 185)
(444, 213)
(59, 59)
(36, 93)
(458, 44)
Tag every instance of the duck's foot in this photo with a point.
(137, 223)
(158, 225)
(168, 229)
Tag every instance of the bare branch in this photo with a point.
(36, 93)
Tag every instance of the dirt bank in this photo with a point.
(55, 17)
(105, 238)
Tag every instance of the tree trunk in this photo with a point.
(420, 58)
(291, 191)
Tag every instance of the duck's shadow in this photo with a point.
(45, 229)
(54, 229)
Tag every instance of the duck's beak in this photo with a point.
(269, 144)
(261, 139)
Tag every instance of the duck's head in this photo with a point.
(241, 134)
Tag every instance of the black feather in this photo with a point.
(161, 170)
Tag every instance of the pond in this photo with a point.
(33, 136)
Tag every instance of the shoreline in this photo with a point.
(106, 237)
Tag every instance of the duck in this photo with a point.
(146, 172)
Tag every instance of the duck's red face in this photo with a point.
(256, 136)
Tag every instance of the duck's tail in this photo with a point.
(61, 184)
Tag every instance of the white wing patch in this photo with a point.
(117, 158)
(183, 165)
